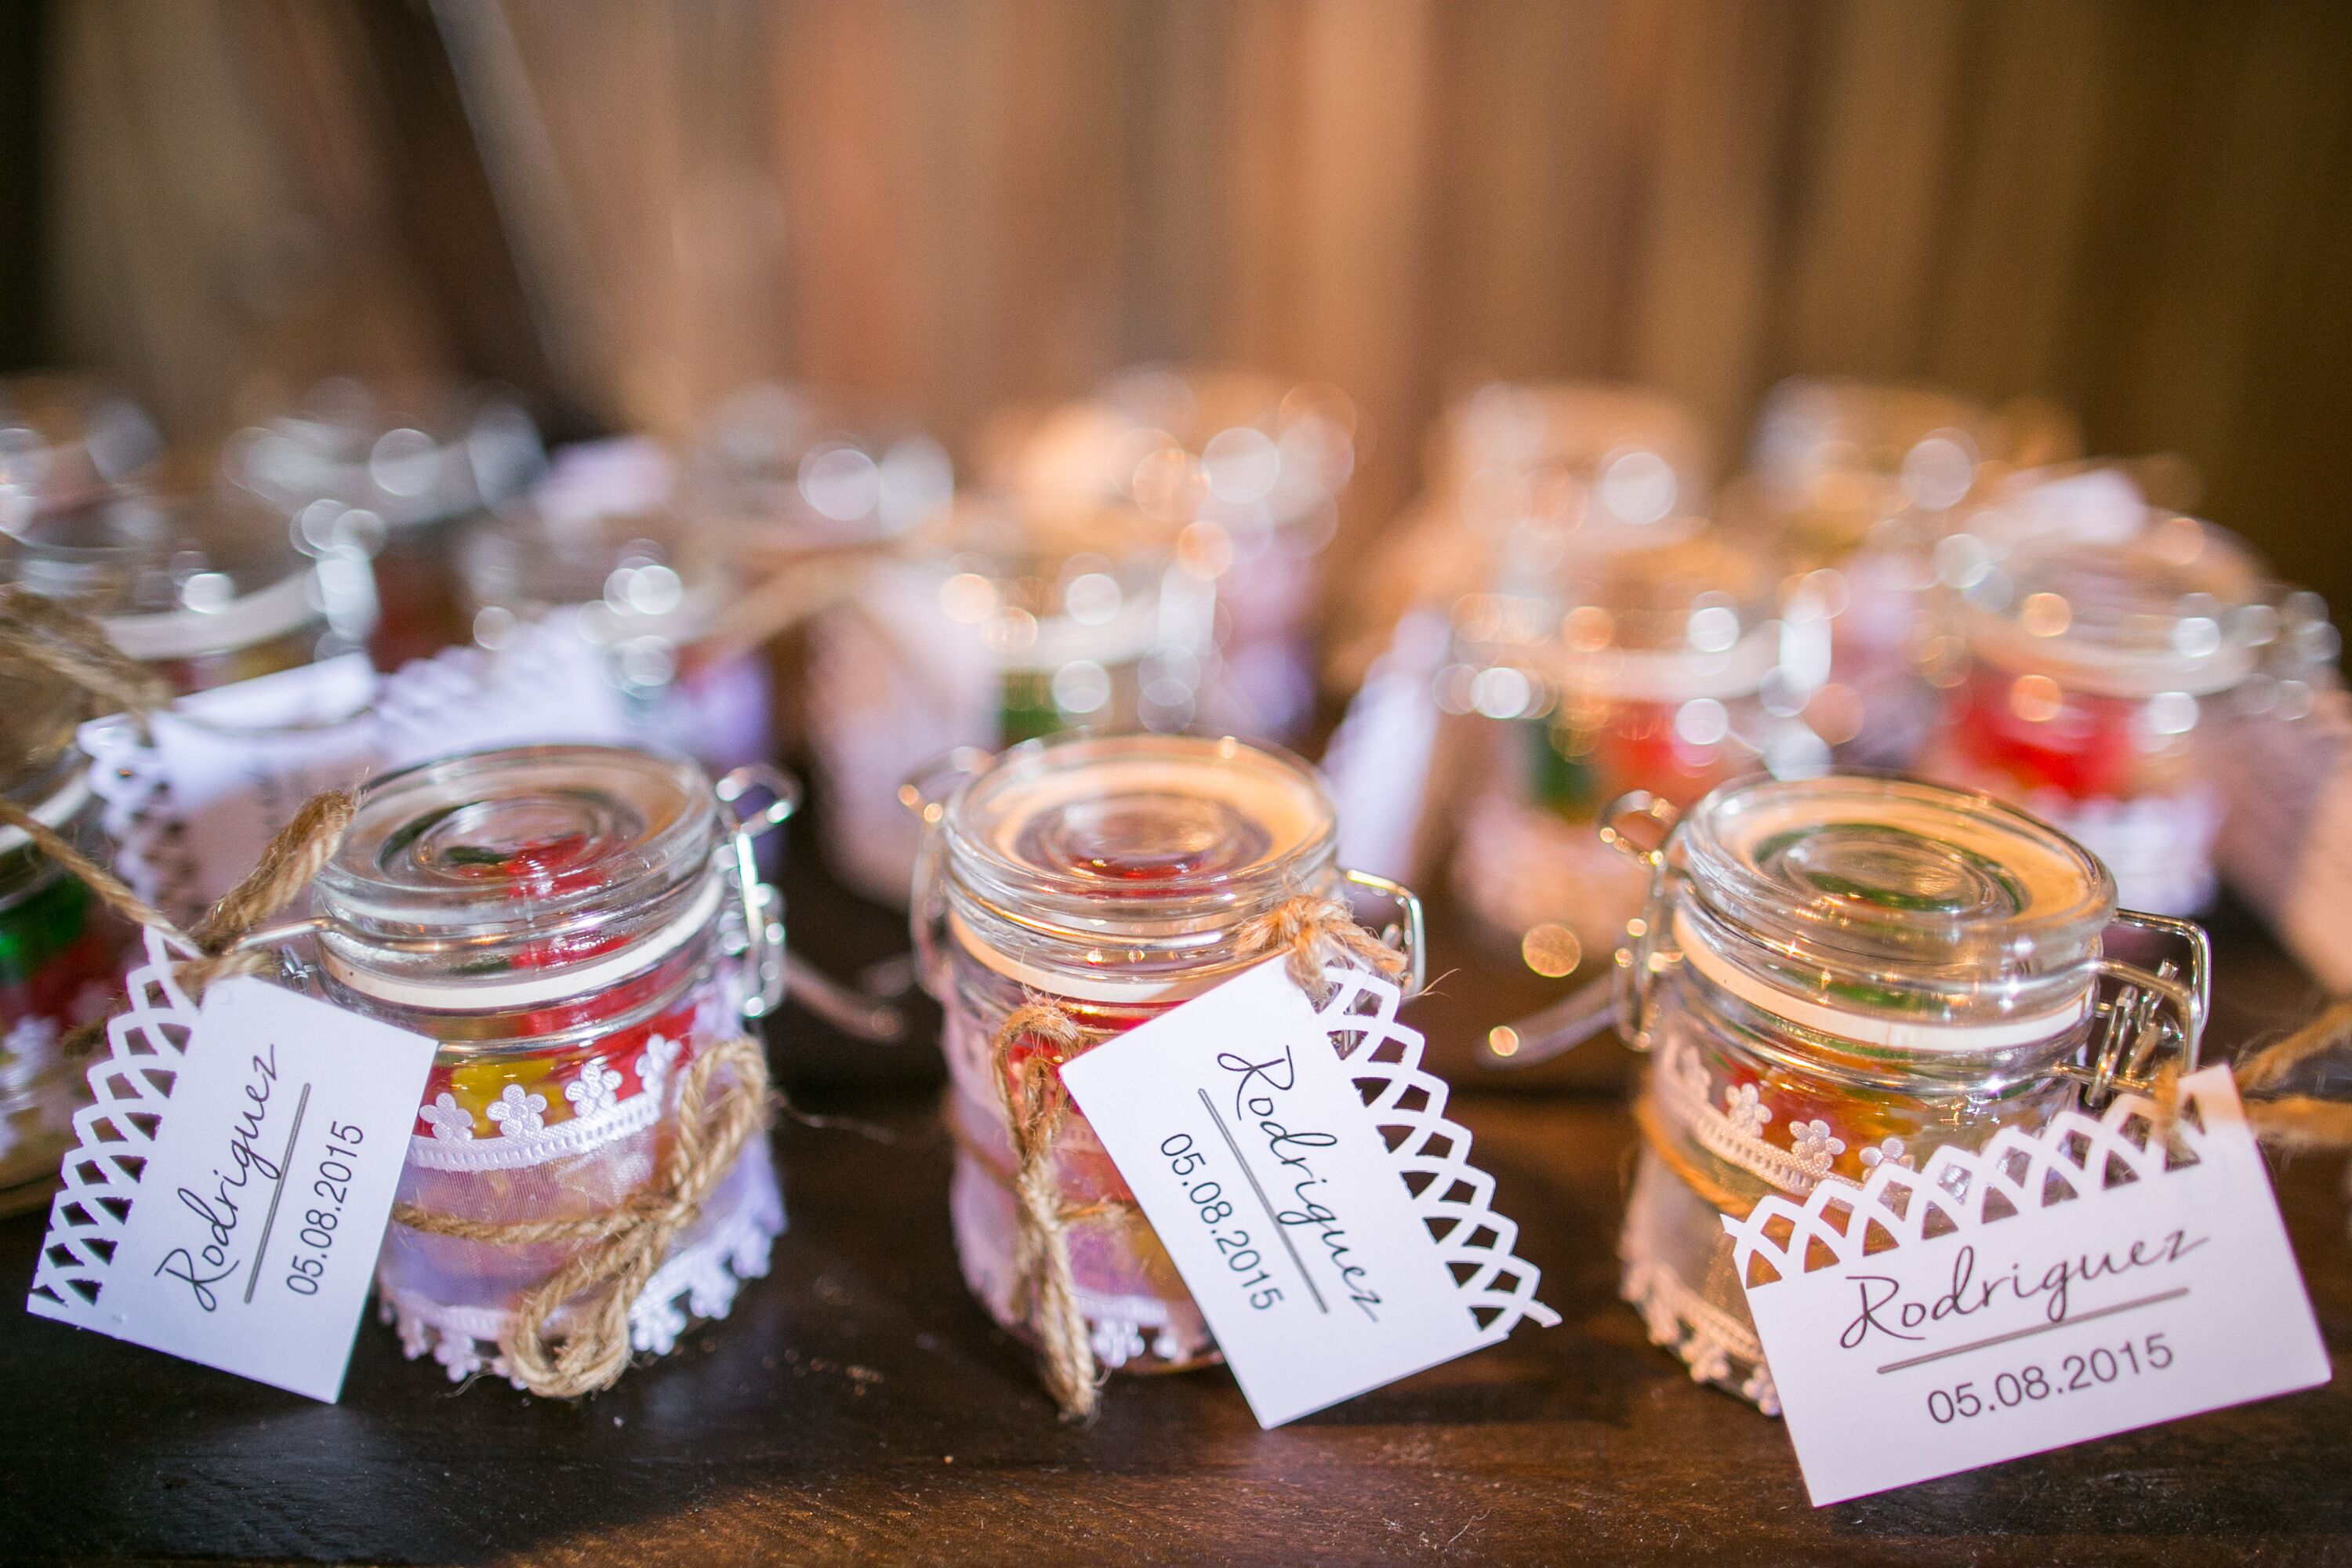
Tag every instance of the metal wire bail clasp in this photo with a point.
(1406, 931)
(763, 906)
(1639, 825)
(2141, 1012)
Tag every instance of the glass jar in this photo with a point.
(1662, 668)
(790, 474)
(1002, 622)
(1839, 971)
(1107, 875)
(1247, 467)
(60, 949)
(2089, 681)
(403, 474)
(205, 586)
(1849, 483)
(67, 443)
(651, 590)
(574, 924)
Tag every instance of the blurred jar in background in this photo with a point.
(2091, 680)
(814, 494)
(1004, 621)
(652, 591)
(407, 473)
(1247, 468)
(1664, 667)
(205, 586)
(1850, 482)
(68, 443)
(1520, 475)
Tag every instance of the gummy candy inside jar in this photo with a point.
(1003, 620)
(2088, 681)
(207, 587)
(1658, 667)
(403, 471)
(60, 949)
(564, 920)
(1108, 878)
(1837, 973)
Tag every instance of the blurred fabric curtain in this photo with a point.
(2143, 211)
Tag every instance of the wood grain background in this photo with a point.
(2140, 208)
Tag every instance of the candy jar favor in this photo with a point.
(1663, 667)
(1840, 972)
(1003, 621)
(2091, 682)
(1849, 483)
(1106, 879)
(652, 590)
(576, 926)
(205, 588)
(1248, 468)
(406, 480)
(60, 951)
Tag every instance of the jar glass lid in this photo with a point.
(2178, 606)
(355, 446)
(527, 841)
(1892, 910)
(184, 575)
(1690, 618)
(794, 472)
(634, 574)
(1084, 834)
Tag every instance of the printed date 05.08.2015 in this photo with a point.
(332, 1187)
(2032, 1384)
(1209, 1201)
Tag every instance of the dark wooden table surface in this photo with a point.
(858, 1405)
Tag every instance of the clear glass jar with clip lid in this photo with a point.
(575, 925)
(2091, 682)
(60, 949)
(1661, 667)
(1109, 878)
(1837, 971)
(404, 470)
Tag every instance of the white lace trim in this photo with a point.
(1682, 1088)
(1122, 1328)
(1717, 1348)
(514, 1151)
(698, 1280)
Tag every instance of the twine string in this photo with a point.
(53, 636)
(1314, 932)
(1047, 1294)
(722, 1104)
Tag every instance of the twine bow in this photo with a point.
(2288, 1122)
(620, 1247)
(1314, 932)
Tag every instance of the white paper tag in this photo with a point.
(2053, 1288)
(234, 1179)
(1322, 1257)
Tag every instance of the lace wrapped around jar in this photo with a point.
(1072, 890)
(1002, 622)
(576, 926)
(1838, 972)
(402, 473)
(1662, 668)
(60, 951)
(2091, 680)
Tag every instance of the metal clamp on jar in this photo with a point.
(1109, 878)
(1835, 973)
(575, 925)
